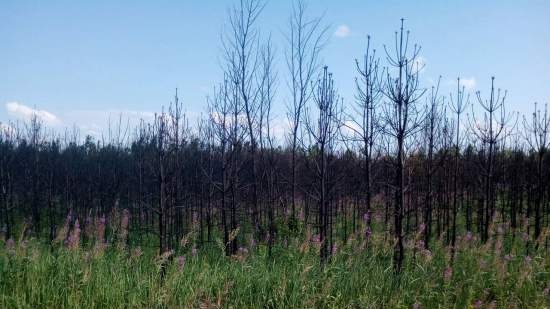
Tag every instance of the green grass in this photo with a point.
(33, 275)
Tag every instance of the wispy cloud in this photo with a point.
(25, 112)
(420, 64)
(468, 83)
(342, 31)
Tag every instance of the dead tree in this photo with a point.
(489, 131)
(241, 45)
(402, 117)
(305, 39)
(537, 135)
(363, 122)
(323, 131)
(458, 106)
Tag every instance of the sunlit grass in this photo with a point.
(33, 275)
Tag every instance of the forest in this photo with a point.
(399, 197)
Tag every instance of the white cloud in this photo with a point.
(468, 83)
(420, 64)
(342, 31)
(24, 112)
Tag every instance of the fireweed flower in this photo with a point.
(478, 303)
(421, 228)
(316, 239)
(468, 237)
(181, 262)
(366, 217)
(10, 245)
(137, 252)
(368, 233)
(73, 241)
(334, 249)
(525, 237)
(448, 274)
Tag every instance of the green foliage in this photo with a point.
(33, 275)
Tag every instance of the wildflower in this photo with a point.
(123, 233)
(366, 217)
(507, 257)
(468, 237)
(285, 242)
(525, 237)
(528, 259)
(421, 245)
(137, 252)
(421, 228)
(546, 291)
(500, 230)
(478, 303)
(447, 274)
(368, 232)
(252, 243)
(181, 262)
(334, 249)
(194, 251)
(316, 238)
(73, 241)
(416, 305)
(243, 250)
(10, 245)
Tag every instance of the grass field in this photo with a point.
(497, 274)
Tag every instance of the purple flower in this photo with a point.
(10, 244)
(448, 273)
(368, 232)
(181, 262)
(334, 249)
(478, 303)
(468, 237)
(525, 237)
(366, 217)
(194, 251)
(416, 305)
(316, 238)
(507, 257)
(546, 291)
(243, 250)
(421, 228)
(137, 252)
(528, 259)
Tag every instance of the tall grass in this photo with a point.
(497, 274)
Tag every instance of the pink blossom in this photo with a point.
(478, 303)
(10, 245)
(528, 259)
(334, 249)
(448, 273)
(366, 217)
(181, 262)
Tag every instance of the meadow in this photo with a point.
(495, 274)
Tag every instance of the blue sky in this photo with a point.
(81, 62)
